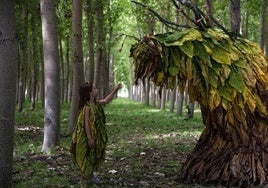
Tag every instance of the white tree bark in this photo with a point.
(51, 74)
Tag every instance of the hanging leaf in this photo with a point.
(175, 56)
(204, 73)
(159, 78)
(225, 92)
(220, 55)
(249, 99)
(213, 78)
(171, 82)
(181, 81)
(214, 99)
(172, 38)
(173, 70)
(224, 73)
(199, 50)
(187, 48)
(242, 63)
(249, 77)
(236, 80)
(189, 69)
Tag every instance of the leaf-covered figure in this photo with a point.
(229, 79)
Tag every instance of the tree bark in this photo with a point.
(35, 72)
(100, 46)
(52, 75)
(209, 12)
(8, 74)
(67, 81)
(172, 100)
(23, 62)
(78, 74)
(180, 99)
(235, 16)
(90, 24)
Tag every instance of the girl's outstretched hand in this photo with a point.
(118, 86)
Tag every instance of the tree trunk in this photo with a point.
(209, 12)
(67, 76)
(23, 63)
(147, 92)
(235, 16)
(245, 24)
(153, 96)
(180, 99)
(62, 69)
(172, 100)
(42, 84)
(8, 74)
(52, 75)
(100, 45)
(35, 59)
(90, 21)
(78, 74)
(163, 98)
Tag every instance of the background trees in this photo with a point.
(106, 31)
(8, 72)
(120, 23)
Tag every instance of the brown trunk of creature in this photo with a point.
(232, 151)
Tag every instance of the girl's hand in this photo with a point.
(119, 86)
(91, 143)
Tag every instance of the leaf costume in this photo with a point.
(87, 159)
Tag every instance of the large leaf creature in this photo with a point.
(229, 78)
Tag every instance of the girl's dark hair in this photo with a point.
(84, 94)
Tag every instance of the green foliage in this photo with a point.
(222, 68)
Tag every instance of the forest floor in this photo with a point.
(146, 148)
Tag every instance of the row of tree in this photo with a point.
(43, 66)
(60, 44)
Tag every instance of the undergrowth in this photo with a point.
(146, 148)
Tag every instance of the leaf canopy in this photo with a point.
(222, 70)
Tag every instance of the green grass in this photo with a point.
(146, 147)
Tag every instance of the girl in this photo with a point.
(89, 137)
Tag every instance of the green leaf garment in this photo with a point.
(87, 159)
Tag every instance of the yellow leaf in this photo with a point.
(214, 99)
(249, 99)
(230, 117)
(160, 78)
(248, 77)
(189, 69)
(208, 50)
(260, 105)
(220, 55)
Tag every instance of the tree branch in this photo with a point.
(184, 14)
(199, 15)
(169, 24)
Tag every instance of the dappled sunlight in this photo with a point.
(153, 110)
(194, 134)
(29, 128)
